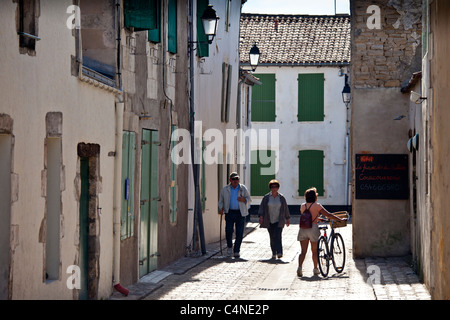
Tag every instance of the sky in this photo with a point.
(312, 7)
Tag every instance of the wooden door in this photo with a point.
(148, 240)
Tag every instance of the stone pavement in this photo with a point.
(255, 276)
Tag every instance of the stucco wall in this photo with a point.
(328, 135)
(32, 86)
(208, 97)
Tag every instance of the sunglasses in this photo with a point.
(235, 179)
(274, 186)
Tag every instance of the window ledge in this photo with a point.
(98, 80)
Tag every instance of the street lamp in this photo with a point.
(346, 96)
(210, 21)
(254, 57)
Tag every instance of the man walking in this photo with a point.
(233, 201)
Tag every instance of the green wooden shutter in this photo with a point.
(263, 98)
(311, 97)
(259, 178)
(140, 14)
(172, 27)
(310, 171)
(154, 35)
(127, 208)
(202, 48)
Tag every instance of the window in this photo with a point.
(262, 170)
(310, 97)
(202, 48)
(28, 24)
(310, 171)
(263, 99)
(98, 41)
(172, 26)
(226, 91)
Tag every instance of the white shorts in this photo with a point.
(311, 234)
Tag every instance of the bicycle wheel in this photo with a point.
(338, 252)
(323, 256)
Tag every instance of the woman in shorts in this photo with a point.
(312, 234)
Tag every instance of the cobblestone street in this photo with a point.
(255, 276)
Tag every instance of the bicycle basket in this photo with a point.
(340, 224)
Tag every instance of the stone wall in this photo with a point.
(388, 55)
(386, 51)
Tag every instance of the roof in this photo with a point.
(296, 39)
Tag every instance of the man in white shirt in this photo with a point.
(234, 201)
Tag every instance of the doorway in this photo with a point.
(148, 240)
(89, 247)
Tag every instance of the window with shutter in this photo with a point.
(263, 99)
(141, 14)
(172, 27)
(311, 97)
(262, 170)
(310, 171)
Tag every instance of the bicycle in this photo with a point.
(331, 248)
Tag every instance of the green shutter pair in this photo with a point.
(310, 98)
(146, 15)
(155, 34)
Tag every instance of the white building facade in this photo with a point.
(215, 94)
(298, 113)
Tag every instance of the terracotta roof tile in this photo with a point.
(296, 39)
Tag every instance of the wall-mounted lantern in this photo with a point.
(209, 22)
(254, 57)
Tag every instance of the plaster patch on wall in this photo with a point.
(410, 12)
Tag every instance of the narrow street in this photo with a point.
(255, 276)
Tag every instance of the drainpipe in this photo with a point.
(117, 196)
(118, 166)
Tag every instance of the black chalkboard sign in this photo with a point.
(381, 176)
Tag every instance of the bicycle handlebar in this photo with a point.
(328, 220)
